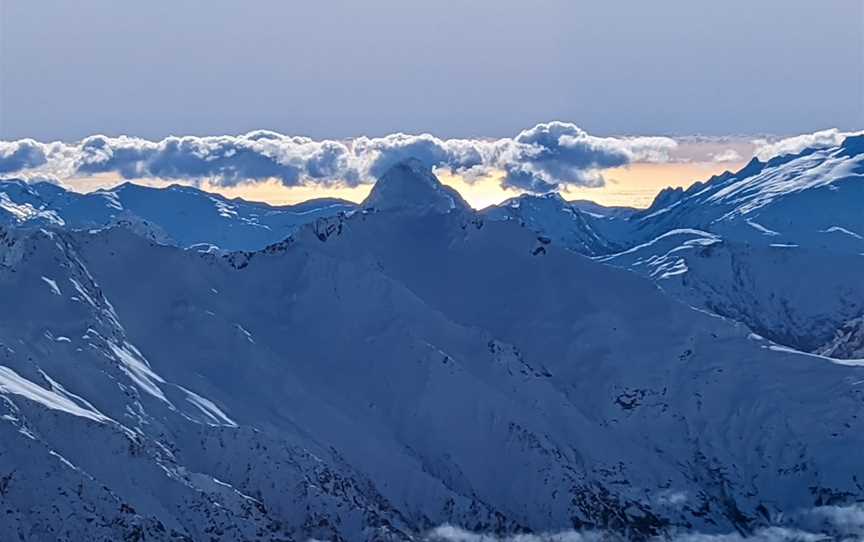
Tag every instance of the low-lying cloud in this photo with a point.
(542, 158)
(547, 155)
(539, 159)
(21, 154)
(767, 149)
(820, 524)
(226, 160)
(728, 155)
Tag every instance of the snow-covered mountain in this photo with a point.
(569, 223)
(409, 186)
(180, 214)
(778, 245)
(354, 383)
(797, 296)
(814, 199)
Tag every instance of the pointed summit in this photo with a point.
(410, 184)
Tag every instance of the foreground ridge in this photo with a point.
(350, 383)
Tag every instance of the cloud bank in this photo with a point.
(539, 159)
(543, 158)
(766, 149)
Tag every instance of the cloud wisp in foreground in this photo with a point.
(539, 159)
(820, 524)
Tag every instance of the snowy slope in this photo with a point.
(183, 215)
(353, 383)
(571, 224)
(812, 199)
(411, 186)
(795, 296)
(776, 245)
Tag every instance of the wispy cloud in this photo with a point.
(820, 524)
(538, 159)
(449, 533)
(728, 155)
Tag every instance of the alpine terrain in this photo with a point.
(412, 369)
(778, 245)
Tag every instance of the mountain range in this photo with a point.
(777, 245)
(179, 366)
(179, 215)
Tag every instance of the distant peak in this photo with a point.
(410, 184)
(753, 167)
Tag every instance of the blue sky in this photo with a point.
(500, 96)
(333, 69)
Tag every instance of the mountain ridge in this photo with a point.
(350, 383)
(187, 215)
(712, 244)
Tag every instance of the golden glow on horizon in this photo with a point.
(634, 185)
(273, 191)
(481, 192)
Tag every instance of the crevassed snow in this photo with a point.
(820, 168)
(670, 269)
(26, 211)
(837, 361)
(63, 460)
(111, 198)
(761, 228)
(83, 292)
(58, 388)
(208, 409)
(134, 364)
(702, 238)
(12, 382)
(661, 211)
(53, 285)
(245, 332)
(224, 209)
(840, 229)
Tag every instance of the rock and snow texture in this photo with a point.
(352, 383)
(812, 199)
(569, 223)
(177, 214)
(411, 186)
(777, 245)
(798, 297)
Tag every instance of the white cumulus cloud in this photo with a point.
(767, 149)
(539, 159)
